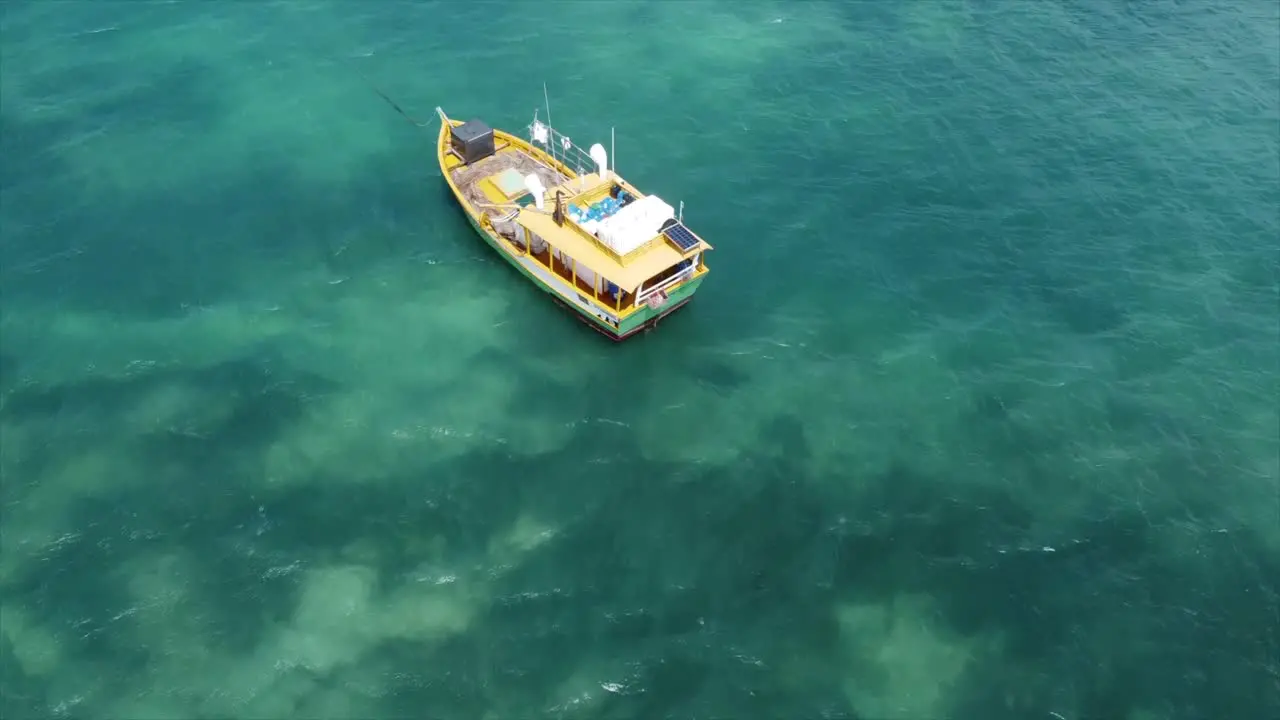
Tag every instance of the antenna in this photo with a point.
(680, 217)
(613, 151)
(551, 145)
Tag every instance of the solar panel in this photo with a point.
(680, 236)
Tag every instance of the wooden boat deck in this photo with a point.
(469, 177)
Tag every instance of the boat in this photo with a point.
(619, 259)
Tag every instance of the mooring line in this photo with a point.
(393, 104)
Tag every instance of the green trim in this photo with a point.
(647, 313)
(629, 323)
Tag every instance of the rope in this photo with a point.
(393, 104)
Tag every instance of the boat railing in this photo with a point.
(676, 279)
(562, 149)
(597, 242)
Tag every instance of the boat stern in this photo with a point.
(658, 306)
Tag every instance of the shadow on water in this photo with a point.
(690, 587)
(1137, 638)
(199, 498)
(153, 249)
(22, 696)
(182, 97)
(120, 256)
(660, 585)
(9, 368)
(26, 203)
(682, 585)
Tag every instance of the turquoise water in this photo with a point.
(975, 417)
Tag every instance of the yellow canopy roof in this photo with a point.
(577, 244)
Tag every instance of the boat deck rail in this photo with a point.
(561, 148)
(675, 279)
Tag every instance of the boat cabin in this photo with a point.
(610, 241)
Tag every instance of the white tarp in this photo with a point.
(635, 224)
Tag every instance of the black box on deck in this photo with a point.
(473, 140)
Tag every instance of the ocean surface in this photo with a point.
(976, 415)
